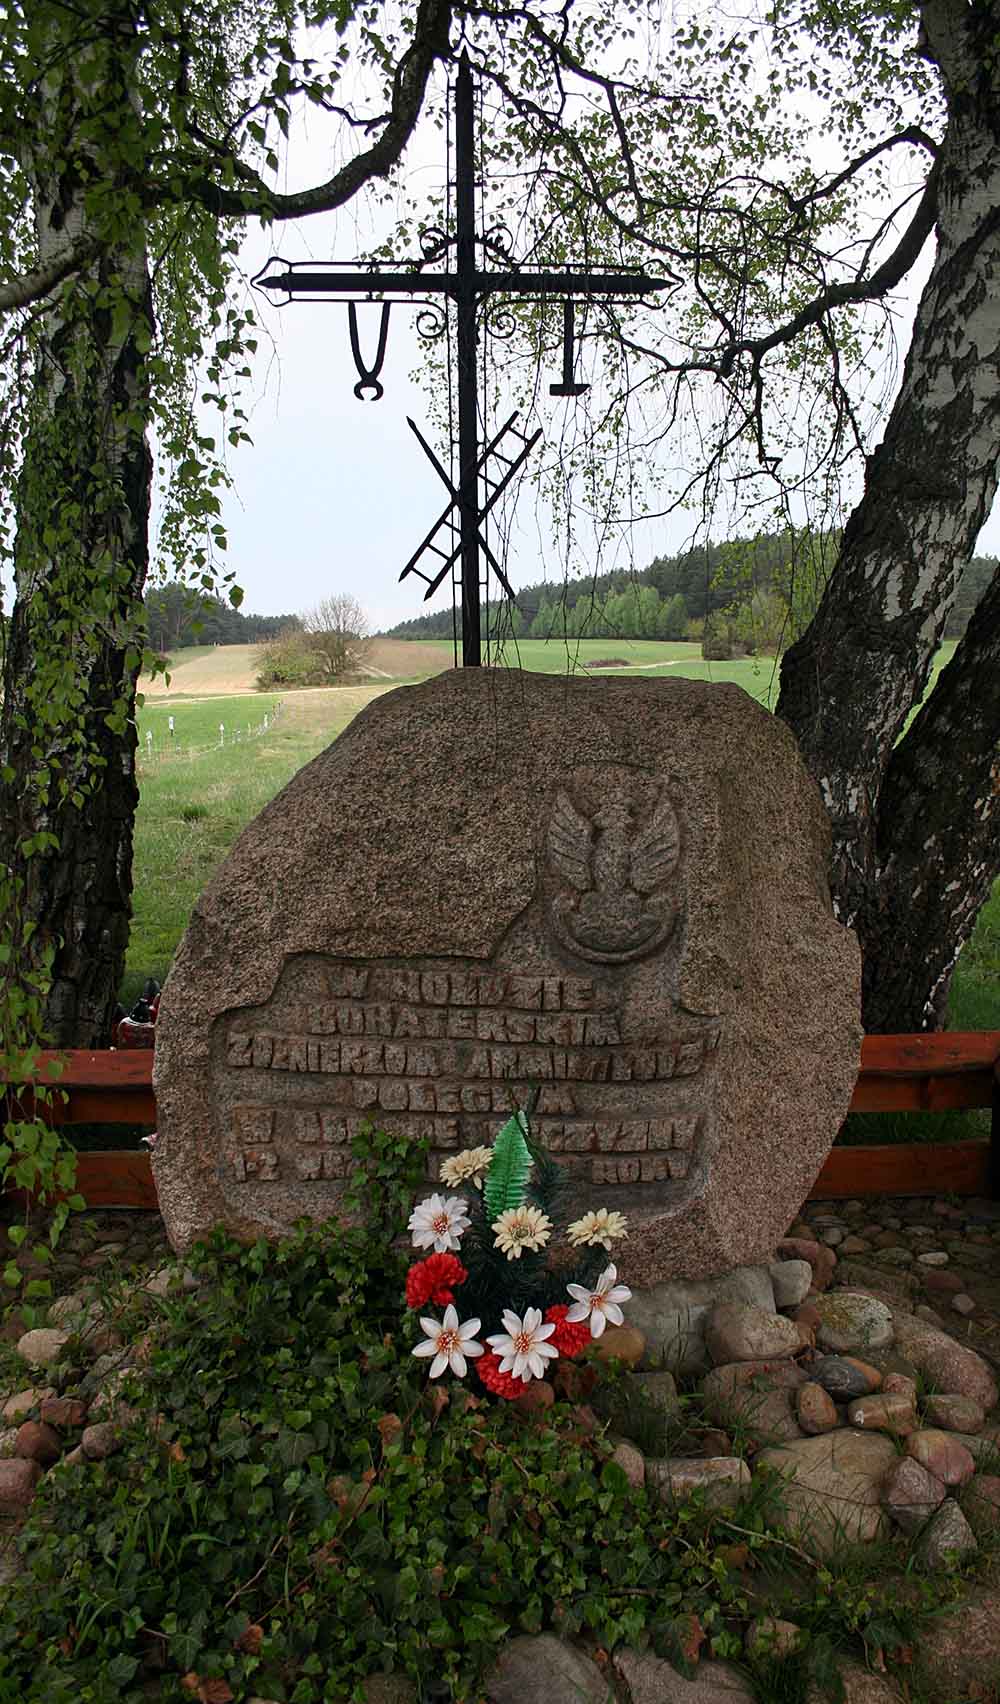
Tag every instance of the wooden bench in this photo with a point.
(899, 1073)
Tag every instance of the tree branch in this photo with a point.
(885, 277)
(430, 43)
(32, 286)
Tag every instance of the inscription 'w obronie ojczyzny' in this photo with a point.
(441, 1053)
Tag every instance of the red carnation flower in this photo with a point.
(569, 1338)
(501, 1384)
(431, 1280)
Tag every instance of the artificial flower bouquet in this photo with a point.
(494, 1244)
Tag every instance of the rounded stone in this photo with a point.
(792, 1280)
(19, 1406)
(946, 1539)
(660, 1392)
(888, 1412)
(934, 1257)
(630, 1460)
(850, 1319)
(724, 1479)
(942, 1455)
(737, 1333)
(625, 1343)
(63, 1412)
(834, 1490)
(18, 1478)
(38, 1442)
(982, 1503)
(772, 1637)
(954, 1413)
(822, 1260)
(536, 1397)
(900, 1384)
(42, 1346)
(844, 1377)
(100, 1440)
(815, 1411)
(963, 1304)
(910, 1494)
(947, 1364)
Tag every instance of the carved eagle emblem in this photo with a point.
(621, 872)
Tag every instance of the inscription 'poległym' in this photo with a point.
(443, 1054)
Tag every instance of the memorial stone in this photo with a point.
(609, 893)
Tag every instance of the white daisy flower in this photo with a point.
(450, 1343)
(519, 1228)
(522, 1347)
(601, 1227)
(439, 1222)
(470, 1166)
(600, 1304)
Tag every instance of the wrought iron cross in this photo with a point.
(466, 286)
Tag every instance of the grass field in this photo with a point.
(196, 795)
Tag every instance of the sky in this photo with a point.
(334, 494)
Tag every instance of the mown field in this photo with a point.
(197, 794)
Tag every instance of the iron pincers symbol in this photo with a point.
(369, 379)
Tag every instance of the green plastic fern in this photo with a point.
(506, 1180)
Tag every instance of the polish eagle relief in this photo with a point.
(620, 871)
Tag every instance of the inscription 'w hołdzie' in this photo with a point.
(441, 1054)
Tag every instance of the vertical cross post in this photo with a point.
(465, 313)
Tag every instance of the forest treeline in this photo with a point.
(738, 597)
(177, 617)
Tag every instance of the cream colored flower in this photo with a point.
(519, 1228)
(470, 1166)
(599, 1305)
(439, 1222)
(522, 1346)
(449, 1343)
(601, 1227)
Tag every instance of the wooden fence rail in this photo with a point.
(899, 1073)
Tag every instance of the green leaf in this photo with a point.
(507, 1177)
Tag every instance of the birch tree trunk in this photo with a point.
(914, 823)
(67, 732)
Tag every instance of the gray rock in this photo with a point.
(42, 1346)
(954, 1413)
(851, 1319)
(18, 1478)
(672, 1316)
(19, 1406)
(841, 1378)
(736, 1332)
(652, 1681)
(772, 1637)
(759, 1396)
(542, 1669)
(630, 1460)
(100, 1441)
(949, 1365)
(946, 1540)
(834, 1486)
(660, 1392)
(910, 1494)
(792, 1281)
(724, 1479)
